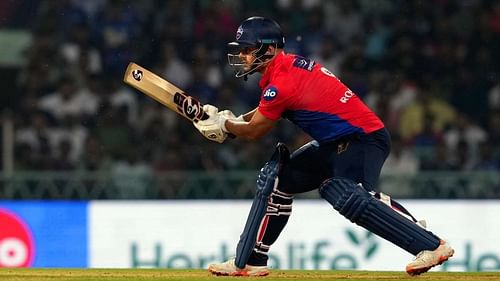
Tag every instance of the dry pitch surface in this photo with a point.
(201, 275)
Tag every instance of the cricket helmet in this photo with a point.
(255, 33)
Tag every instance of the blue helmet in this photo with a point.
(257, 33)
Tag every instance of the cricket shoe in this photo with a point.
(228, 268)
(427, 259)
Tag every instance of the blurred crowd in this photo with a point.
(430, 69)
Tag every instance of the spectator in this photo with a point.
(401, 160)
(122, 99)
(131, 176)
(60, 16)
(111, 131)
(464, 130)
(62, 161)
(215, 24)
(117, 29)
(412, 117)
(37, 142)
(68, 100)
(81, 58)
(343, 21)
(172, 67)
(75, 135)
(96, 157)
(488, 161)
(427, 141)
(330, 54)
(70, 97)
(494, 97)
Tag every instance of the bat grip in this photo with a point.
(205, 116)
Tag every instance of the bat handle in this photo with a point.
(205, 116)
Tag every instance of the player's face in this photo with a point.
(246, 61)
(247, 56)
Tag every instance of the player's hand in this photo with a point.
(210, 109)
(229, 115)
(212, 128)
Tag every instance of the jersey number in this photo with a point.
(347, 94)
(328, 72)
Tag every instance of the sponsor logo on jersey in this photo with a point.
(303, 63)
(270, 93)
(16, 241)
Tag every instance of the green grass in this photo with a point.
(7, 274)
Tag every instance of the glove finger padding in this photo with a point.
(228, 114)
(210, 109)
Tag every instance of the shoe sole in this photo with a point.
(239, 273)
(418, 271)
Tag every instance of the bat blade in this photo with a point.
(164, 92)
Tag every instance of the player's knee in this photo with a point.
(347, 197)
(267, 179)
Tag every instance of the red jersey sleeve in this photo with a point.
(274, 100)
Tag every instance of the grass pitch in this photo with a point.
(8, 274)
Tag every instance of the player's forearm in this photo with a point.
(248, 116)
(243, 129)
(253, 129)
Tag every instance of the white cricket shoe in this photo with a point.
(228, 268)
(425, 260)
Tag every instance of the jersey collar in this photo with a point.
(274, 64)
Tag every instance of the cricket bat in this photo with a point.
(164, 92)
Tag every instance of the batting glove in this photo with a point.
(213, 127)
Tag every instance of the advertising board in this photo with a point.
(192, 234)
(43, 234)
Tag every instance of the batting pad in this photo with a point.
(360, 207)
(266, 182)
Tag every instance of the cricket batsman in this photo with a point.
(343, 161)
